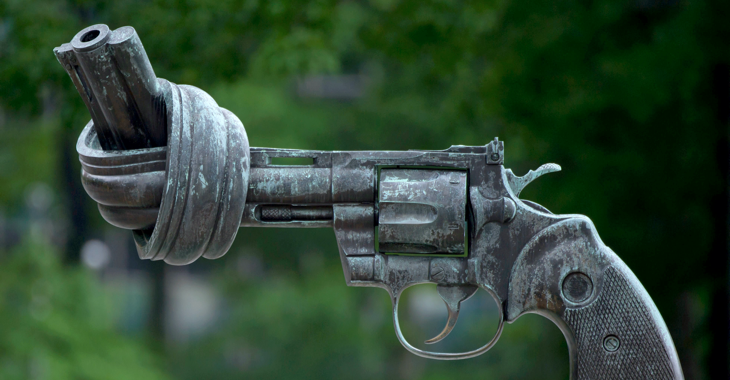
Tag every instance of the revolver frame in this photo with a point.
(188, 179)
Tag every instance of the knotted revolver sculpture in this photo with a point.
(164, 161)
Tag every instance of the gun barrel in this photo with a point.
(114, 77)
(290, 185)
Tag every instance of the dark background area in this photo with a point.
(631, 98)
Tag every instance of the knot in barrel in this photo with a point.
(184, 200)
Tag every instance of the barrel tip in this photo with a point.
(62, 49)
(63, 54)
(90, 37)
(122, 34)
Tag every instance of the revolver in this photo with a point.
(168, 163)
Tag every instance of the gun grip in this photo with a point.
(620, 335)
(613, 328)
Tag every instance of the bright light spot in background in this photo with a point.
(425, 304)
(95, 254)
(39, 197)
(192, 305)
(424, 315)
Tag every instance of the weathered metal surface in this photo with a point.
(307, 216)
(354, 229)
(183, 200)
(288, 213)
(186, 199)
(113, 75)
(577, 287)
(495, 152)
(518, 183)
(422, 211)
(127, 185)
(207, 180)
(290, 185)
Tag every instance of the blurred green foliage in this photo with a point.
(21, 163)
(623, 94)
(307, 324)
(56, 323)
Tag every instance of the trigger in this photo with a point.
(452, 296)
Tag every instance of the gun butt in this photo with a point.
(113, 75)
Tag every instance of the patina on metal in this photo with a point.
(422, 211)
(165, 161)
(161, 159)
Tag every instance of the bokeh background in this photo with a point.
(631, 97)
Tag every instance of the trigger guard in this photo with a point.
(447, 355)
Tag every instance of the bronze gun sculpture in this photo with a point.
(164, 161)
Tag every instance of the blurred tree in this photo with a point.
(39, 89)
(55, 323)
